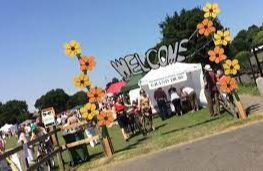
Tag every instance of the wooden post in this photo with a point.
(107, 146)
(258, 64)
(253, 73)
(106, 142)
(59, 155)
(239, 78)
(241, 112)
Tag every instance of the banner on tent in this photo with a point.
(168, 80)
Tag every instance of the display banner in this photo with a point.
(48, 116)
(168, 80)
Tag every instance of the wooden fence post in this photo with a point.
(241, 112)
(106, 142)
(56, 144)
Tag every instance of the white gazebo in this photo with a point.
(8, 127)
(176, 75)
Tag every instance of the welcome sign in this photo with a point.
(132, 64)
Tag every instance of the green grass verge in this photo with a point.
(248, 88)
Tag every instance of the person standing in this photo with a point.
(211, 90)
(145, 107)
(191, 96)
(22, 139)
(176, 101)
(2, 143)
(161, 99)
(119, 109)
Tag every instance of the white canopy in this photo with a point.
(176, 75)
(8, 127)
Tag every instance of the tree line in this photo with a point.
(16, 111)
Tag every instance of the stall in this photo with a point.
(174, 75)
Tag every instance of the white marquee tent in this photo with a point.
(176, 75)
(8, 127)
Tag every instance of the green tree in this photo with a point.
(243, 58)
(77, 99)
(13, 111)
(258, 39)
(55, 98)
(183, 25)
(244, 40)
(240, 42)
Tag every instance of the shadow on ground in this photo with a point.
(133, 145)
(190, 126)
(252, 108)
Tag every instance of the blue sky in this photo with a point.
(33, 32)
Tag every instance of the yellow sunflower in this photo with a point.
(211, 10)
(72, 48)
(89, 111)
(81, 81)
(222, 38)
(231, 67)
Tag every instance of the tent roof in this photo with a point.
(133, 83)
(171, 69)
(6, 127)
(116, 87)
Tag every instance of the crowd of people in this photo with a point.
(132, 117)
(182, 101)
(137, 116)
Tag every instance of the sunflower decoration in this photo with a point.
(216, 55)
(105, 118)
(72, 48)
(211, 10)
(227, 84)
(222, 37)
(231, 67)
(81, 81)
(89, 111)
(87, 63)
(95, 94)
(206, 27)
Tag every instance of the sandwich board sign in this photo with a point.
(48, 116)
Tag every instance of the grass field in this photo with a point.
(169, 132)
(248, 88)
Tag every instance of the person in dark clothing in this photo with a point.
(119, 108)
(161, 99)
(176, 101)
(211, 90)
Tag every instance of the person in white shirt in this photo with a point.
(176, 101)
(191, 96)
